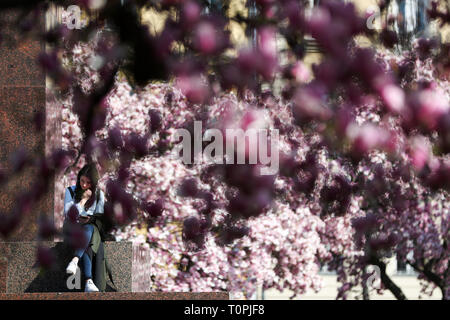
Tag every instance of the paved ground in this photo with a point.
(409, 285)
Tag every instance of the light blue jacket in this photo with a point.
(96, 208)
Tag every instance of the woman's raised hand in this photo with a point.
(87, 194)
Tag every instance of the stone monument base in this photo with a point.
(19, 273)
(20, 279)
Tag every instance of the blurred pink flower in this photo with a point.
(429, 106)
(420, 152)
(194, 87)
(300, 72)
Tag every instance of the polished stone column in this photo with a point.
(22, 96)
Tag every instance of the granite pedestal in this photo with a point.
(22, 97)
(19, 272)
(21, 279)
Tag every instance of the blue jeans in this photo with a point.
(82, 254)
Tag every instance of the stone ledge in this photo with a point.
(116, 296)
(18, 273)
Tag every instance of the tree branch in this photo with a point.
(386, 280)
(433, 277)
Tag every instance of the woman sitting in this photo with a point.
(89, 201)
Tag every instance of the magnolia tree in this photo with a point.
(361, 145)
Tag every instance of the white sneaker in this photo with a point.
(90, 286)
(72, 267)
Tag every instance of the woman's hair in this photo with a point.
(89, 171)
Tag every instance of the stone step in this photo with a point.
(18, 273)
(116, 296)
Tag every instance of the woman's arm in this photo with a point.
(84, 212)
(88, 212)
(93, 208)
(69, 202)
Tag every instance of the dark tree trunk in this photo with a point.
(386, 280)
(366, 295)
